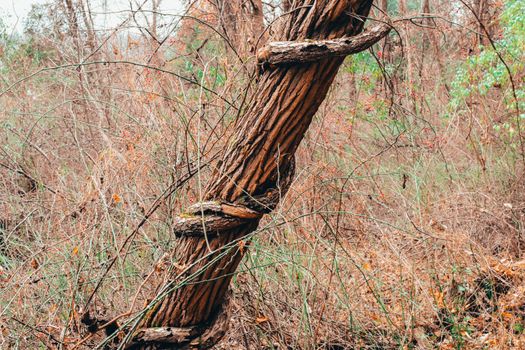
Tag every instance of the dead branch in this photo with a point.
(287, 52)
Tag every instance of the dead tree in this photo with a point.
(256, 169)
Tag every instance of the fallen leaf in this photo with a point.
(261, 319)
(507, 315)
(34, 264)
(116, 198)
(439, 298)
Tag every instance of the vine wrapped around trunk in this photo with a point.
(255, 171)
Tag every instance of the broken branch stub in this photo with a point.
(298, 52)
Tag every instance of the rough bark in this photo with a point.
(255, 171)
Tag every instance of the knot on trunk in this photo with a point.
(210, 218)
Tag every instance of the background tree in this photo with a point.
(242, 23)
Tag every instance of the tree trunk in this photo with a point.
(71, 18)
(480, 6)
(406, 36)
(255, 171)
(242, 22)
(429, 36)
(88, 22)
(73, 24)
(386, 50)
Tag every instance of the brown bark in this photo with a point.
(249, 180)
(71, 18)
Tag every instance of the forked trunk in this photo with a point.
(254, 173)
